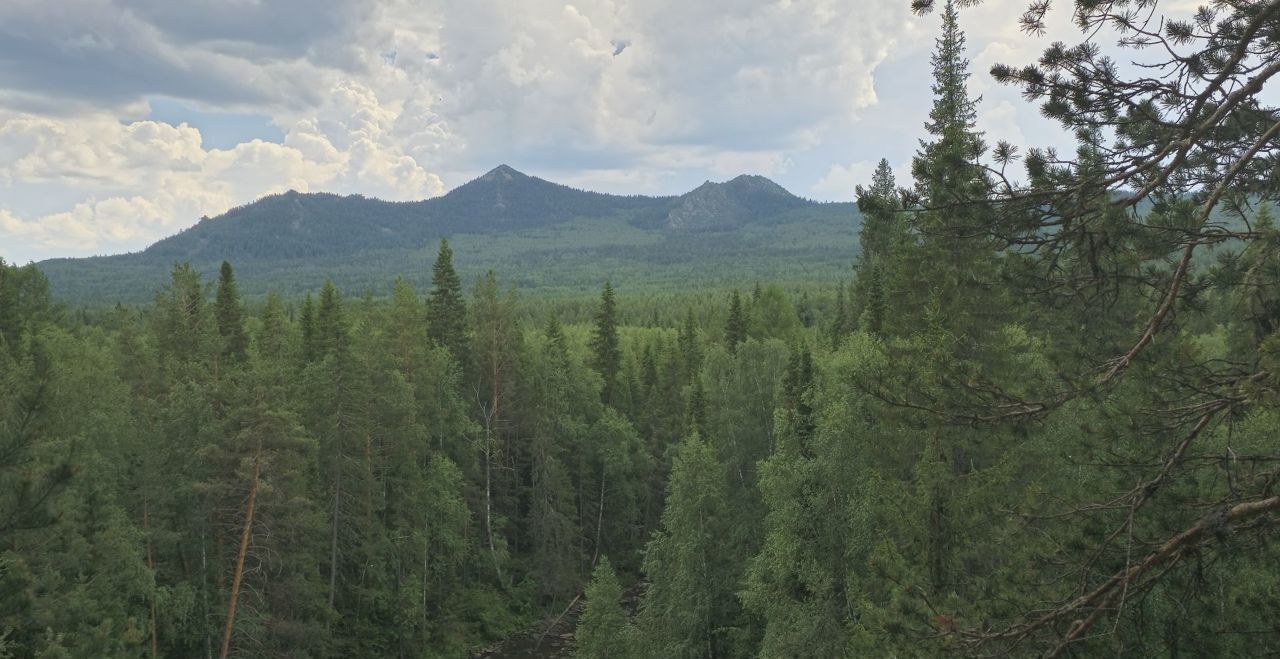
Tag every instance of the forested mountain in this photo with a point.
(543, 233)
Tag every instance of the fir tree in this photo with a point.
(945, 168)
(735, 329)
(649, 370)
(556, 338)
(446, 308)
(880, 208)
(840, 322)
(273, 337)
(875, 308)
(605, 348)
(182, 324)
(331, 328)
(235, 341)
(695, 410)
(797, 383)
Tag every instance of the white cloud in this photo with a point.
(147, 179)
(394, 98)
(841, 181)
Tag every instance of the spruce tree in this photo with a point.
(882, 222)
(235, 341)
(945, 168)
(648, 370)
(691, 356)
(550, 520)
(603, 631)
(735, 329)
(183, 329)
(874, 307)
(273, 337)
(446, 308)
(797, 383)
(331, 328)
(556, 338)
(310, 339)
(605, 349)
(695, 409)
(840, 321)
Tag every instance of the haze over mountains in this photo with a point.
(545, 235)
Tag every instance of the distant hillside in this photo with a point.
(539, 233)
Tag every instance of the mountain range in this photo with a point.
(539, 234)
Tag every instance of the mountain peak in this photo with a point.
(503, 173)
(744, 198)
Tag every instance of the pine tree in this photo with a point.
(605, 348)
(735, 329)
(235, 340)
(446, 308)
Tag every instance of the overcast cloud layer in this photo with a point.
(123, 121)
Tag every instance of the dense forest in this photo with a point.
(1041, 420)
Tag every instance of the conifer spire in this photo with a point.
(446, 307)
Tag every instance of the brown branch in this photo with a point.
(1097, 600)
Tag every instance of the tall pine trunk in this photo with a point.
(238, 575)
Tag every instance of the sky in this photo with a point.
(125, 121)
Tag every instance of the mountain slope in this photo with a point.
(733, 203)
(542, 234)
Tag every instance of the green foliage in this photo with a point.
(607, 358)
(1009, 435)
(735, 327)
(689, 608)
(446, 310)
(603, 630)
(227, 312)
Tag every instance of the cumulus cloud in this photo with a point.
(841, 181)
(146, 179)
(396, 98)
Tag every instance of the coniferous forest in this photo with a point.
(1039, 419)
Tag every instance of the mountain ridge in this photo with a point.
(338, 235)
